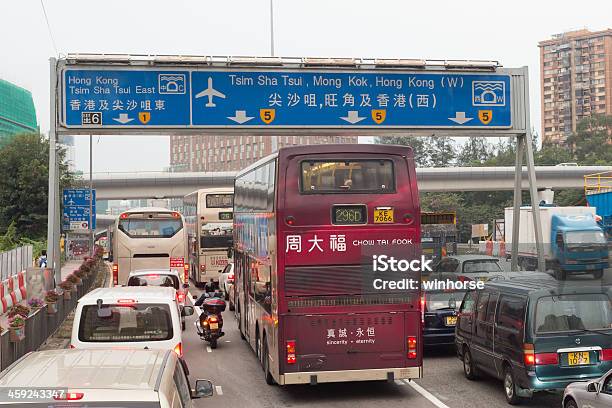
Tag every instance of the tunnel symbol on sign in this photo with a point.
(488, 93)
(171, 83)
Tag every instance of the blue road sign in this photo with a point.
(78, 197)
(76, 209)
(280, 98)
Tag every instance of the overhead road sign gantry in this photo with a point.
(141, 94)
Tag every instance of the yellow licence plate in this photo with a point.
(579, 358)
(451, 320)
(214, 326)
(383, 215)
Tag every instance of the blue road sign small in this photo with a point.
(78, 197)
(215, 98)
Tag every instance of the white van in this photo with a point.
(100, 378)
(130, 316)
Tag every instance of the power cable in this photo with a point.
(49, 27)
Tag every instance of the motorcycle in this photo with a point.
(210, 324)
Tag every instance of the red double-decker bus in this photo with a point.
(308, 222)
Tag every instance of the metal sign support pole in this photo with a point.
(535, 205)
(518, 179)
(91, 229)
(53, 226)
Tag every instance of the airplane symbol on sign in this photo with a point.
(210, 92)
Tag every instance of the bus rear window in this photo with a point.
(150, 227)
(126, 323)
(219, 200)
(350, 176)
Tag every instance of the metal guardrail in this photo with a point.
(598, 183)
(40, 326)
(16, 260)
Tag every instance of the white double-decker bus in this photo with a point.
(209, 216)
(149, 238)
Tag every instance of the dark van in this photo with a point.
(535, 335)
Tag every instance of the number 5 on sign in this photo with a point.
(267, 115)
(379, 115)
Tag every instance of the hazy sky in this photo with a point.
(502, 30)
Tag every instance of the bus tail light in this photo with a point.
(176, 215)
(186, 269)
(606, 355)
(291, 352)
(69, 396)
(178, 349)
(423, 309)
(123, 216)
(115, 274)
(412, 347)
(290, 220)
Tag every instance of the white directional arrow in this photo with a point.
(123, 118)
(460, 118)
(352, 117)
(240, 117)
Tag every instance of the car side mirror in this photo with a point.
(195, 297)
(187, 311)
(203, 388)
(592, 387)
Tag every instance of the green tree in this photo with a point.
(417, 143)
(592, 141)
(474, 152)
(24, 173)
(442, 151)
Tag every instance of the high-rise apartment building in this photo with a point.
(232, 153)
(17, 113)
(576, 80)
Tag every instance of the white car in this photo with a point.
(591, 394)
(226, 279)
(161, 277)
(134, 317)
(102, 378)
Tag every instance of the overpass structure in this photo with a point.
(120, 186)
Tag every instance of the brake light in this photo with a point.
(230, 277)
(176, 215)
(186, 269)
(115, 274)
(180, 297)
(178, 349)
(408, 218)
(528, 355)
(72, 346)
(123, 216)
(546, 359)
(290, 220)
(291, 352)
(213, 319)
(153, 276)
(69, 396)
(126, 301)
(606, 355)
(412, 347)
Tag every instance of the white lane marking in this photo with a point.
(208, 349)
(399, 382)
(228, 341)
(219, 390)
(432, 398)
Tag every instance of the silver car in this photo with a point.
(589, 394)
(226, 279)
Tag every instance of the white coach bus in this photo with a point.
(149, 238)
(209, 216)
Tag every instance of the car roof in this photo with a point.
(134, 369)
(472, 257)
(541, 286)
(140, 293)
(155, 271)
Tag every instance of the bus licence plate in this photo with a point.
(451, 320)
(579, 358)
(383, 215)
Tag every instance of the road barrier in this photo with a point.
(42, 323)
(16, 260)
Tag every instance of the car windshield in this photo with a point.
(573, 312)
(126, 323)
(481, 265)
(585, 237)
(154, 279)
(443, 300)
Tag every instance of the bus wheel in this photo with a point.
(266, 364)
